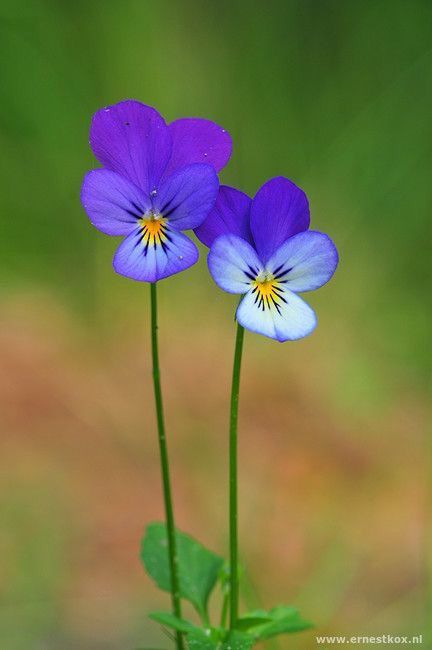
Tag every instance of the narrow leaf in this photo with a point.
(202, 640)
(280, 620)
(164, 618)
(238, 641)
(253, 619)
(210, 640)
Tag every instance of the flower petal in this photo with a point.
(290, 320)
(230, 215)
(133, 140)
(198, 140)
(279, 210)
(304, 262)
(149, 263)
(113, 204)
(233, 263)
(187, 196)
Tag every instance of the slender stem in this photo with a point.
(233, 523)
(224, 612)
(166, 484)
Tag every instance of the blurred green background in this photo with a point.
(335, 95)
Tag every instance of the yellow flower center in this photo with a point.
(153, 227)
(267, 291)
(266, 287)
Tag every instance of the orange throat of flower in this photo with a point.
(267, 292)
(153, 230)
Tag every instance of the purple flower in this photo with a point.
(157, 180)
(262, 248)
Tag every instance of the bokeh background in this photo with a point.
(333, 437)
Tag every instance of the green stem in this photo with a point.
(233, 523)
(169, 515)
(224, 611)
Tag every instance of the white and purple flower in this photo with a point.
(157, 180)
(262, 248)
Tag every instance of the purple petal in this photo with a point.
(112, 203)
(304, 262)
(288, 319)
(148, 263)
(230, 215)
(279, 210)
(186, 197)
(133, 140)
(198, 140)
(233, 264)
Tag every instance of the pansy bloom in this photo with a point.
(262, 248)
(157, 180)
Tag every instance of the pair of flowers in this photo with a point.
(159, 180)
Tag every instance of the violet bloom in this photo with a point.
(157, 180)
(262, 248)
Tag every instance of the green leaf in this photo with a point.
(169, 620)
(253, 619)
(238, 641)
(203, 640)
(198, 567)
(210, 640)
(280, 620)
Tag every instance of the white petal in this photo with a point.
(291, 319)
(233, 263)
